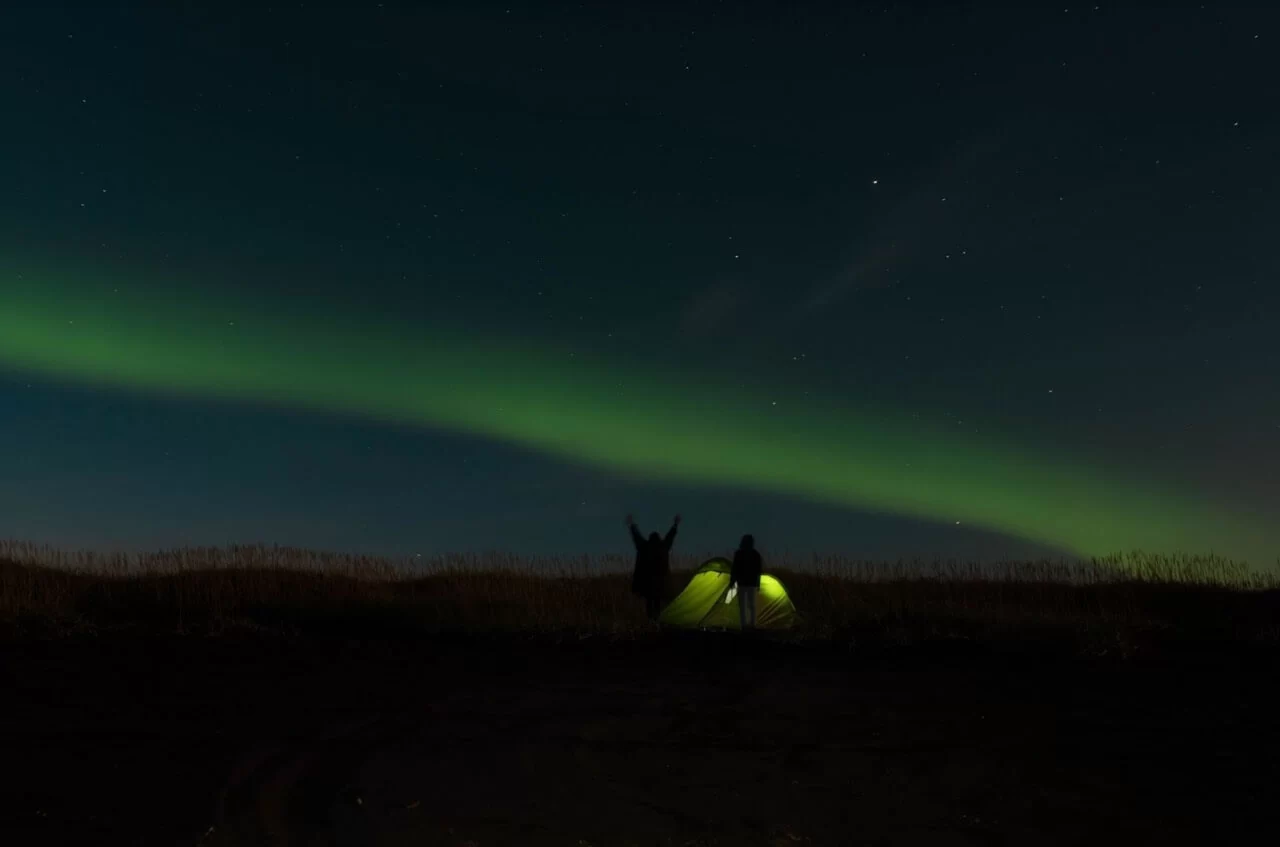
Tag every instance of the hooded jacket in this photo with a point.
(747, 565)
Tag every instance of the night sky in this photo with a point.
(903, 279)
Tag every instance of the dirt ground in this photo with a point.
(706, 740)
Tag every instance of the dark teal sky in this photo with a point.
(1053, 229)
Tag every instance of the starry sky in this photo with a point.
(903, 279)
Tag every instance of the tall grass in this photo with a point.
(206, 589)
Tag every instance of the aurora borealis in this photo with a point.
(1021, 331)
(576, 411)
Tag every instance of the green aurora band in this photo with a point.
(620, 419)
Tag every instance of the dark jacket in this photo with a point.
(747, 567)
(652, 563)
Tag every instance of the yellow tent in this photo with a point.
(708, 602)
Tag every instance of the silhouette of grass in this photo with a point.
(1122, 604)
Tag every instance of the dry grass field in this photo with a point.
(259, 695)
(1121, 603)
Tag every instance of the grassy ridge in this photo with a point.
(1119, 604)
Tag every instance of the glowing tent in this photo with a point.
(707, 602)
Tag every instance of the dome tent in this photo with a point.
(707, 602)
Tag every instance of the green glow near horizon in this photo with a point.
(620, 419)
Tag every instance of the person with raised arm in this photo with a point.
(653, 566)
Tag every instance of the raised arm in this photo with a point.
(636, 538)
(671, 533)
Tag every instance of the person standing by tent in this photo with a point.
(652, 565)
(747, 567)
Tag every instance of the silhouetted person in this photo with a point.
(747, 566)
(652, 566)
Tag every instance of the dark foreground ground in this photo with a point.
(704, 740)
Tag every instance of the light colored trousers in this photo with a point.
(747, 605)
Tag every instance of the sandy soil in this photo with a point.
(659, 741)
